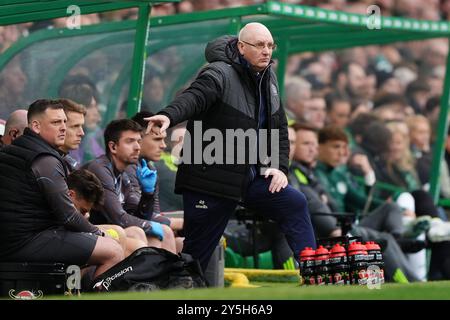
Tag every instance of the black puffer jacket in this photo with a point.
(226, 95)
(31, 203)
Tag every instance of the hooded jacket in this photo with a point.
(227, 94)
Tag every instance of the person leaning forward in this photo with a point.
(236, 90)
(38, 221)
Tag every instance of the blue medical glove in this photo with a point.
(155, 230)
(146, 177)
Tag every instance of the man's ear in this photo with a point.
(36, 126)
(13, 133)
(240, 46)
(72, 194)
(112, 147)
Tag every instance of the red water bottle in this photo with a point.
(357, 255)
(323, 275)
(339, 265)
(307, 257)
(375, 258)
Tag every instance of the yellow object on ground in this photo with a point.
(238, 280)
(267, 275)
(112, 233)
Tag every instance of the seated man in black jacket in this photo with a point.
(38, 221)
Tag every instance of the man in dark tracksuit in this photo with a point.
(236, 90)
(38, 221)
(124, 205)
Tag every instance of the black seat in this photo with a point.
(251, 218)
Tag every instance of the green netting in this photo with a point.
(19, 11)
(38, 70)
(175, 56)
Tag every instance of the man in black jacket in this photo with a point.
(38, 221)
(237, 93)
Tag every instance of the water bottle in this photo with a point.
(357, 254)
(322, 262)
(339, 265)
(375, 258)
(307, 257)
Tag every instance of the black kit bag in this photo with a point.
(149, 269)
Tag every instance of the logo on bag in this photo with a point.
(25, 295)
(201, 205)
(106, 283)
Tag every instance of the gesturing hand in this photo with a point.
(147, 178)
(160, 121)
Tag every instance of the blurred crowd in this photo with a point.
(418, 9)
(399, 84)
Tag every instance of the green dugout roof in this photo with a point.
(117, 53)
(17, 11)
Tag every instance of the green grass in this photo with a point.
(290, 291)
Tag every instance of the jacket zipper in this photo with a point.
(259, 92)
(243, 192)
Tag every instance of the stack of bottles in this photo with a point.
(354, 263)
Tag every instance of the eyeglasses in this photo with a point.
(261, 45)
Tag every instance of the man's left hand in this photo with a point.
(279, 180)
